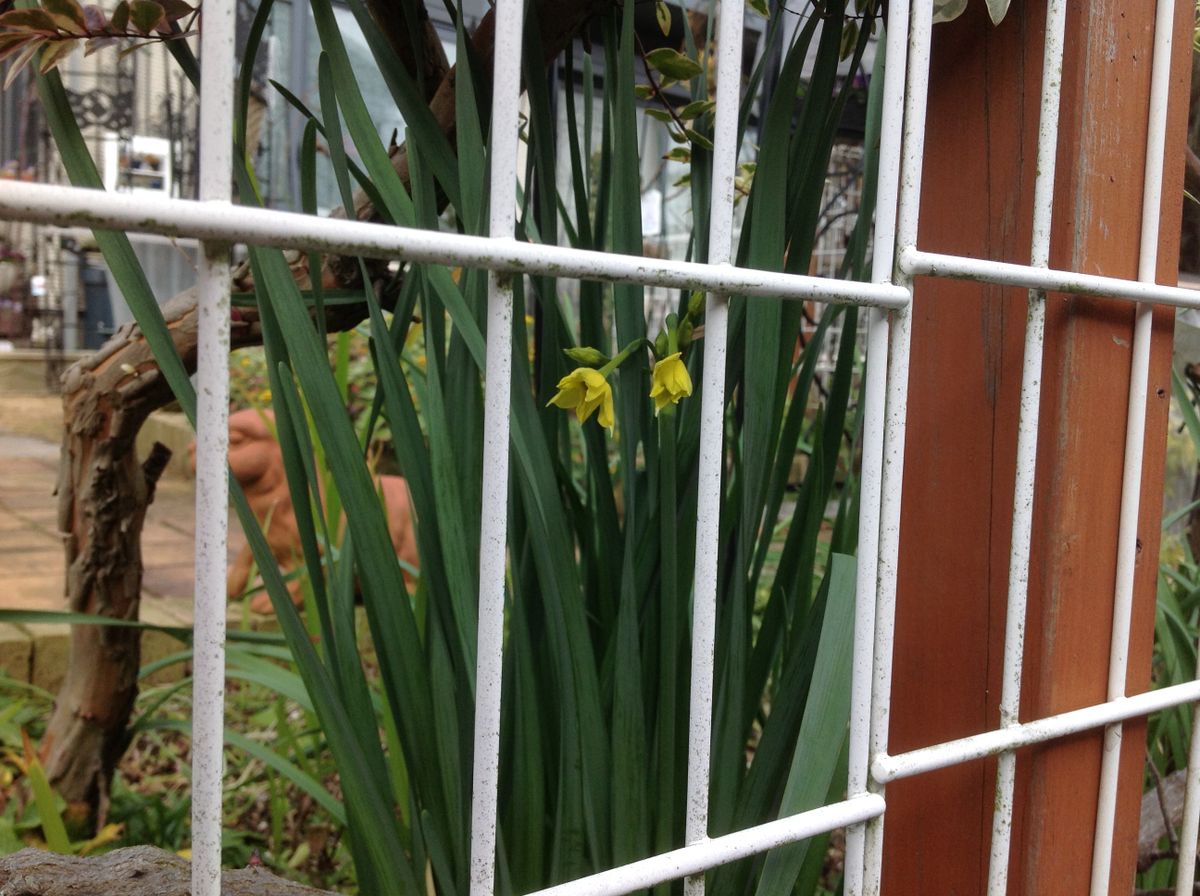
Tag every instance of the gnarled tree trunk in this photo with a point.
(103, 494)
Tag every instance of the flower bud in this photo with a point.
(587, 356)
(661, 345)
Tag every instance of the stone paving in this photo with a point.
(32, 566)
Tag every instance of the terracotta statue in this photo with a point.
(257, 463)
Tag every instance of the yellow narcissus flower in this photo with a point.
(669, 382)
(585, 390)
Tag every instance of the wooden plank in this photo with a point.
(963, 401)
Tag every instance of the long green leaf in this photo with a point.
(273, 760)
(826, 715)
(46, 801)
(407, 94)
(118, 252)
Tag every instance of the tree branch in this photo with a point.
(424, 58)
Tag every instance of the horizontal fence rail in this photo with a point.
(716, 851)
(917, 263)
(71, 207)
(890, 296)
(990, 743)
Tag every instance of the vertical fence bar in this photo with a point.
(212, 446)
(874, 392)
(1027, 437)
(1189, 828)
(916, 99)
(493, 535)
(1135, 438)
(712, 429)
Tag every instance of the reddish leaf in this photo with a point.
(19, 62)
(55, 53)
(120, 16)
(133, 48)
(95, 19)
(16, 46)
(99, 43)
(69, 10)
(29, 20)
(145, 15)
(65, 25)
(176, 9)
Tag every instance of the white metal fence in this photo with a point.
(897, 259)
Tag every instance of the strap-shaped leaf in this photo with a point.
(826, 715)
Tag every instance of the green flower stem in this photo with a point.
(671, 615)
(622, 357)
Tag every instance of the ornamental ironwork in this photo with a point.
(112, 111)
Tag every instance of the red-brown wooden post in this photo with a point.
(963, 402)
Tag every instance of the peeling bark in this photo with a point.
(103, 492)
